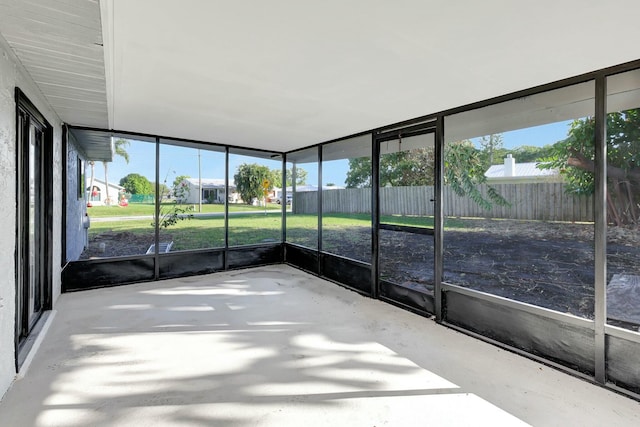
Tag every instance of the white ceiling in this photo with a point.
(59, 42)
(284, 74)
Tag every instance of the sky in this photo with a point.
(176, 161)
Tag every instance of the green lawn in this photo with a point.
(146, 209)
(208, 232)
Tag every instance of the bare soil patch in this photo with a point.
(122, 243)
(550, 265)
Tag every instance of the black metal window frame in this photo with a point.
(26, 110)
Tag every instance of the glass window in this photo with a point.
(302, 198)
(518, 209)
(193, 195)
(254, 215)
(623, 200)
(346, 198)
(121, 200)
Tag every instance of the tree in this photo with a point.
(575, 158)
(404, 168)
(522, 154)
(91, 181)
(276, 177)
(359, 174)
(162, 188)
(249, 180)
(180, 188)
(490, 144)
(137, 184)
(119, 150)
(464, 171)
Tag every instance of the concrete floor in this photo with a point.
(274, 346)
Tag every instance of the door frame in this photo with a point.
(25, 328)
(431, 126)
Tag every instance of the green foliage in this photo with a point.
(464, 170)
(249, 179)
(163, 190)
(528, 153)
(120, 148)
(171, 215)
(400, 169)
(178, 180)
(180, 188)
(575, 158)
(490, 145)
(276, 177)
(137, 184)
(407, 168)
(359, 174)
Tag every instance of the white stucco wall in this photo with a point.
(12, 74)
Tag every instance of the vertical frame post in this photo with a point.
(438, 226)
(320, 272)
(283, 197)
(156, 252)
(226, 209)
(600, 213)
(375, 216)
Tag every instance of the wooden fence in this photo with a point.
(544, 201)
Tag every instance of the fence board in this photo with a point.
(540, 201)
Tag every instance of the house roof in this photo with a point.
(111, 184)
(286, 74)
(210, 182)
(522, 170)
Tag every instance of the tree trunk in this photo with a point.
(107, 199)
(93, 174)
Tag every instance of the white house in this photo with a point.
(97, 195)
(213, 190)
(511, 172)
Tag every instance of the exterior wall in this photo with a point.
(12, 74)
(192, 197)
(76, 207)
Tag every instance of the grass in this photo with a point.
(198, 232)
(147, 209)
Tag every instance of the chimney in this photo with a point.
(509, 166)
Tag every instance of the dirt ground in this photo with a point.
(550, 265)
(114, 244)
(545, 264)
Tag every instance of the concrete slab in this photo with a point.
(274, 346)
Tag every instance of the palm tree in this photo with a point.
(119, 150)
(93, 174)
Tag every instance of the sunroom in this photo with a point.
(482, 177)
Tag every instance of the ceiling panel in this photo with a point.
(285, 74)
(60, 45)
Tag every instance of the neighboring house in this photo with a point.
(98, 194)
(511, 172)
(213, 191)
